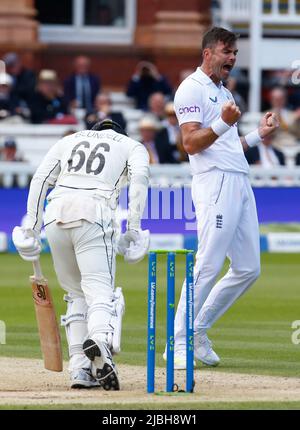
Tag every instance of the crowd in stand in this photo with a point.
(27, 97)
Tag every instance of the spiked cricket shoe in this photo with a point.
(103, 367)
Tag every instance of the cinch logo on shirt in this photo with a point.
(189, 109)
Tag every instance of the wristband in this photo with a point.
(220, 127)
(253, 138)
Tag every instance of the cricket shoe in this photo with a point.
(179, 359)
(203, 351)
(83, 378)
(103, 368)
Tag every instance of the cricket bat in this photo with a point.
(46, 320)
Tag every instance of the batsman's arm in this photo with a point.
(134, 244)
(45, 176)
(195, 139)
(138, 175)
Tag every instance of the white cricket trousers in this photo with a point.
(84, 262)
(227, 225)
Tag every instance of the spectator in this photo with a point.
(265, 155)
(146, 81)
(231, 84)
(10, 106)
(157, 104)
(102, 110)
(158, 147)
(47, 103)
(168, 138)
(81, 87)
(289, 131)
(242, 82)
(24, 80)
(297, 161)
(9, 151)
(148, 128)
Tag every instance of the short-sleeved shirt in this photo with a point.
(199, 99)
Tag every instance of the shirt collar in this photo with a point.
(205, 78)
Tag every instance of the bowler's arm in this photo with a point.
(268, 124)
(195, 138)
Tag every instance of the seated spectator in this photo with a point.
(81, 88)
(288, 132)
(146, 81)
(231, 84)
(11, 109)
(159, 149)
(148, 128)
(265, 155)
(157, 105)
(24, 80)
(47, 103)
(168, 137)
(102, 110)
(241, 82)
(9, 151)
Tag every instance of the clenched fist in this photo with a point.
(230, 113)
(268, 124)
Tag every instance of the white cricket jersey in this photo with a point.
(199, 99)
(88, 164)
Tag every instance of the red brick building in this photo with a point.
(116, 34)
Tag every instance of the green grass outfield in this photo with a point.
(292, 227)
(253, 337)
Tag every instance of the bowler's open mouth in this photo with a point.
(227, 67)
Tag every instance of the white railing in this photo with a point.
(279, 12)
(164, 175)
(280, 176)
(33, 141)
(15, 174)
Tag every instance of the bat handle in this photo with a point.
(37, 270)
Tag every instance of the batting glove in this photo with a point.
(134, 245)
(27, 242)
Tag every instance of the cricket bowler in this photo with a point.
(226, 214)
(86, 171)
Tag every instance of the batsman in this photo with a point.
(86, 171)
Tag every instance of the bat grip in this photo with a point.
(37, 270)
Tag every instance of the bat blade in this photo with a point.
(47, 324)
